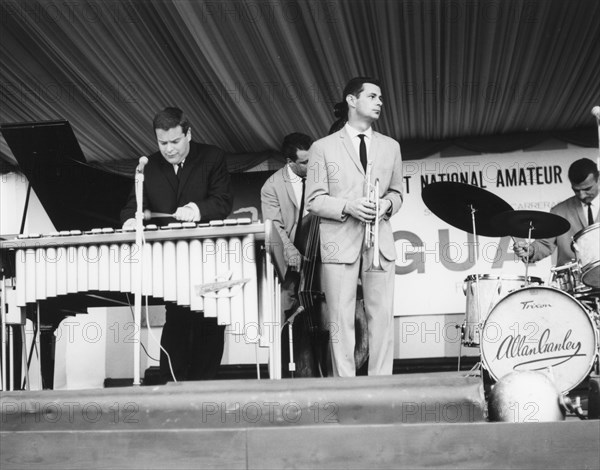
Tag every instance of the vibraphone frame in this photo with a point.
(269, 265)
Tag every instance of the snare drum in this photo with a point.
(586, 245)
(491, 290)
(540, 328)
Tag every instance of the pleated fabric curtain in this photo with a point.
(249, 72)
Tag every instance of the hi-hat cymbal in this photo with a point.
(543, 224)
(454, 203)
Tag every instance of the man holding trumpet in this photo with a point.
(346, 170)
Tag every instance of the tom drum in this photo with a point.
(481, 298)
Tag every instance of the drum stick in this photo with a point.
(526, 260)
(151, 215)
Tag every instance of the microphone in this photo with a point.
(141, 165)
(596, 111)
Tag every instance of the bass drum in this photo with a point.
(540, 328)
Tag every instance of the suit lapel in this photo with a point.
(375, 145)
(347, 144)
(287, 184)
(169, 174)
(181, 179)
(191, 161)
(578, 209)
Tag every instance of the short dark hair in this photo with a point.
(169, 118)
(353, 87)
(294, 142)
(580, 169)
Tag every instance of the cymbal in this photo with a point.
(453, 203)
(544, 224)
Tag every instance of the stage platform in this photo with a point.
(400, 421)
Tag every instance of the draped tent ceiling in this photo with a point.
(488, 74)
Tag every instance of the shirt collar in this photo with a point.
(354, 133)
(294, 178)
(594, 202)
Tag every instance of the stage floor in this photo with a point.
(399, 421)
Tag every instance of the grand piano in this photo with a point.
(83, 202)
(75, 197)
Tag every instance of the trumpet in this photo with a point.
(372, 228)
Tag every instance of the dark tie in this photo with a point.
(297, 237)
(178, 172)
(363, 151)
(590, 215)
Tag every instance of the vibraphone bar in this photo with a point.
(212, 268)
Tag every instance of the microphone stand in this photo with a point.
(596, 113)
(137, 259)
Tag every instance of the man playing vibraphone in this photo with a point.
(190, 181)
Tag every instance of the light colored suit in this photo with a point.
(572, 210)
(279, 205)
(335, 176)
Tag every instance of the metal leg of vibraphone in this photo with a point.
(24, 366)
(9, 325)
(3, 385)
(277, 329)
(11, 366)
(273, 314)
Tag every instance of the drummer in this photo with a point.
(581, 210)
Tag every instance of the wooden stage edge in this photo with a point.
(434, 420)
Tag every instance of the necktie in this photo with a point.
(590, 215)
(179, 167)
(298, 235)
(363, 151)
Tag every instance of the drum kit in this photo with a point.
(516, 321)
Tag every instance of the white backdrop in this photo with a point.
(434, 258)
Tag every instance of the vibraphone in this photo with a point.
(216, 268)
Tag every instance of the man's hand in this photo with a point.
(187, 213)
(384, 206)
(361, 209)
(523, 250)
(294, 258)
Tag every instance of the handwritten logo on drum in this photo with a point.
(550, 353)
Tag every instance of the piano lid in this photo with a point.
(75, 195)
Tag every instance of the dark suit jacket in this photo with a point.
(204, 180)
(572, 210)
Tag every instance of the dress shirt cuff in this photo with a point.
(390, 210)
(129, 223)
(344, 214)
(196, 209)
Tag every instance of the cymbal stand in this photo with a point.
(529, 240)
(477, 366)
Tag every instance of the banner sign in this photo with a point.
(434, 258)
